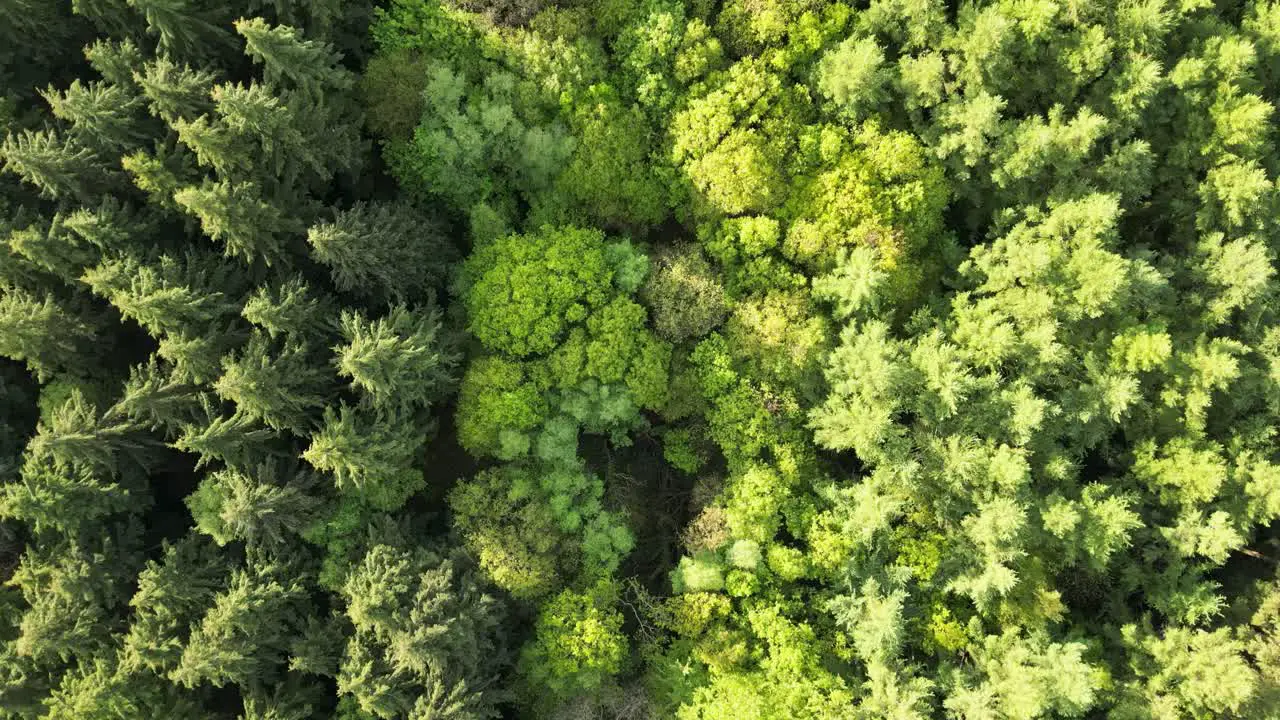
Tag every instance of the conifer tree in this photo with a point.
(155, 398)
(244, 636)
(59, 166)
(44, 334)
(371, 454)
(397, 361)
(76, 435)
(264, 508)
(184, 28)
(172, 592)
(236, 214)
(427, 638)
(169, 294)
(284, 388)
(382, 251)
(175, 92)
(293, 310)
(289, 61)
(103, 116)
(236, 439)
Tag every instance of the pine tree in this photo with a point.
(45, 335)
(373, 455)
(307, 65)
(235, 214)
(54, 248)
(58, 499)
(216, 146)
(397, 361)
(283, 388)
(112, 226)
(114, 60)
(73, 592)
(382, 251)
(155, 398)
(260, 121)
(160, 173)
(291, 309)
(101, 690)
(237, 440)
(76, 435)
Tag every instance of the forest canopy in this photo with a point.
(639, 359)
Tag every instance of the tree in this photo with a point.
(310, 66)
(853, 77)
(397, 361)
(168, 295)
(72, 593)
(59, 166)
(177, 93)
(427, 638)
(45, 335)
(291, 309)
(1188, 670)
(104, 116)
(533, 525)
(682, 292)
(244, 636)
(524, 291)
(382, 251)
(283, 388)
(235, 439)
(236, 215)
(371, 454)
(266, 508)
(183, 28)
(578, 646)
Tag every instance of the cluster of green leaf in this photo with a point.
(767, 359)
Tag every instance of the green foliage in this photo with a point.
(427, 638)
(578, 646)
(258, 509)
(526, 290)
(686, 300)
(807, 361)
(532, 526)
(382, 251)
(372, 454)
(398, 361)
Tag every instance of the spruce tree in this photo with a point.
(397, 361)
(60, 167)
(289, 61)
(44, 334)
(284, 388)
(236, 214)
(103, 116)
(185, 28)
(372, 454)
(382, 251)
(175, 92)
(244, 636)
